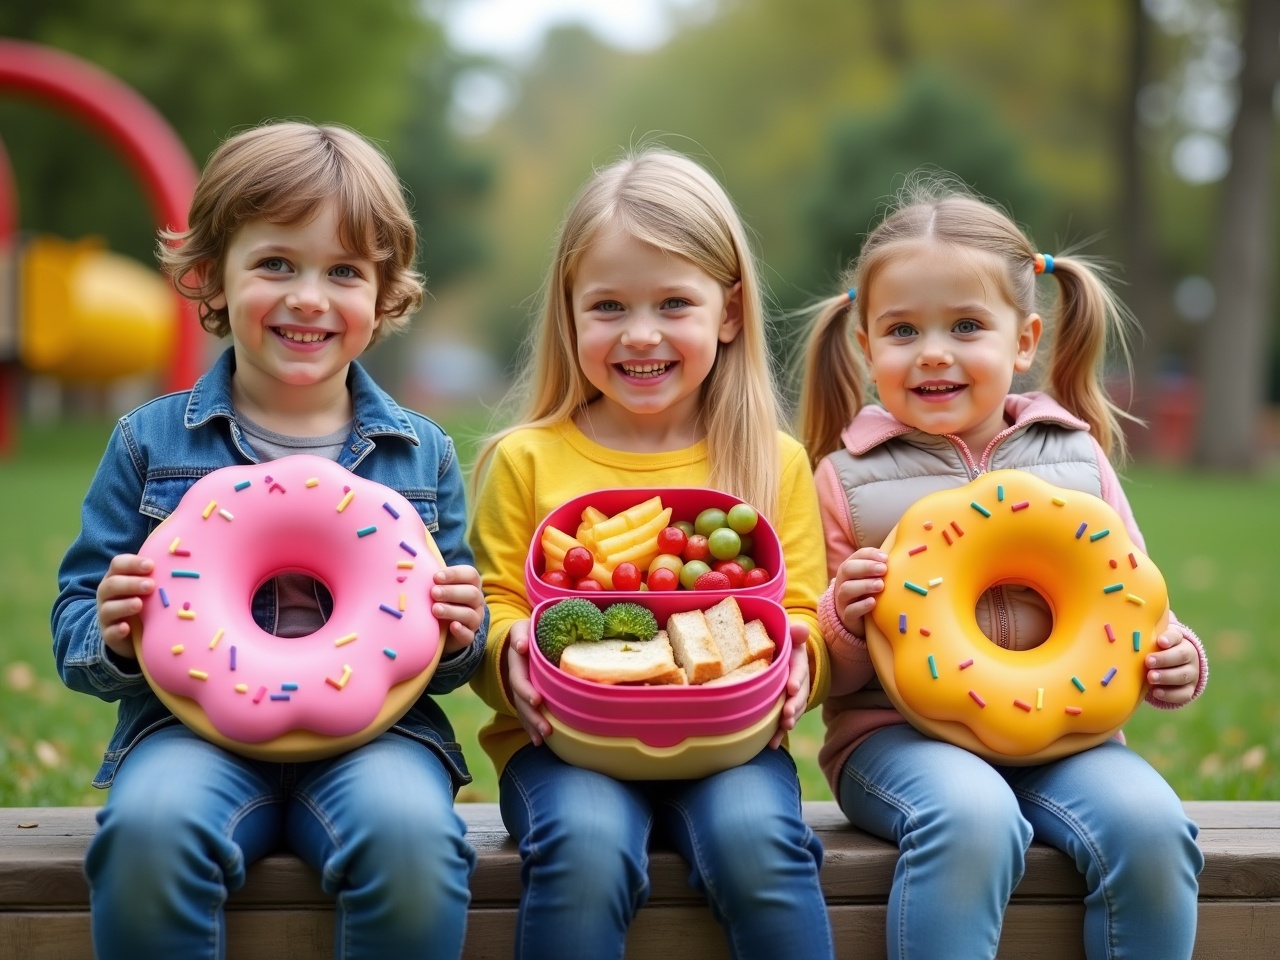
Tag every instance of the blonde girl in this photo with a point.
(649, 368)
(940, 315)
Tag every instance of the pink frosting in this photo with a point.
(236, 529)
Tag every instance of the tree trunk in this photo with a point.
(1147, 293)
(1237, 342)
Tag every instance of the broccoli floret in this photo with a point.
(570, 621)
(629, 621)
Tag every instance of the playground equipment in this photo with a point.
(85, 313)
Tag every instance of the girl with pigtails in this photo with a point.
(940, 315)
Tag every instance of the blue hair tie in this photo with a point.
(1044, 263)
(853, 294)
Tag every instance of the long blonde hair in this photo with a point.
(936, 208)
(666, 200)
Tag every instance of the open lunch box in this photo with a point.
(642, 731)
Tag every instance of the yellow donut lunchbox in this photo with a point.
(1108, 600)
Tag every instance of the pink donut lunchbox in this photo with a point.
(668, 732)
(280, 698)
(685, 504)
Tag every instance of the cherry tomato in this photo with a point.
(662, 578)
(756, 576)
(557, 578)
(671, 540)
(626, 576)
(732, 570)
(587, 584)
(695, 549)
(578, 562)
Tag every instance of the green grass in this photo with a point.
(1215, 539)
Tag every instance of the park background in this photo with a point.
(1140, 130)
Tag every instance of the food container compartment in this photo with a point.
(662, 716)
(685, 504)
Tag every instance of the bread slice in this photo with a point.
(725, 622)
(694, 647)
(748, 669)
(622, 661)
(760, 646)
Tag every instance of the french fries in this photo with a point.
(631, 535)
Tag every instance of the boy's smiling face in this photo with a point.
(301, 306)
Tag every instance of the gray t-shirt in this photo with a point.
(298, 611)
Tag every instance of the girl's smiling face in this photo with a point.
(649, 324)
(943, 343)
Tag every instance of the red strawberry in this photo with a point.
(712, 580)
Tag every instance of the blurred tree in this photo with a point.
(1148, 294)
(756, 91)
(1236, 344)
(212, 69)
(930, 128)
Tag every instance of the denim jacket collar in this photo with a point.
(376, 414)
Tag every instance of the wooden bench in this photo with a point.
(281, 914)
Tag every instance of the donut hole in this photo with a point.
(995, 608)
(304, 602)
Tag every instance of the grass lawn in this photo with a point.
(1215, 539)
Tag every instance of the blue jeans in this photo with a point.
(185, 818)
(584, 840)
(963, 827)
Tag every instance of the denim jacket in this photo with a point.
(158, 451)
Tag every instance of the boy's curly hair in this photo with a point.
(283, 172)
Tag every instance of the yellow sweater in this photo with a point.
(535, 470)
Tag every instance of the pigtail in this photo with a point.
(1089, 315)
(831, 388)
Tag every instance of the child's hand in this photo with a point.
(120, 596)
(797, 684)
(1174, 670)
(858, 580)
(523, 695)
(457, 598)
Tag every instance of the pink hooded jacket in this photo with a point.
(886, 466)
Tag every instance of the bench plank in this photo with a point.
(282, 914)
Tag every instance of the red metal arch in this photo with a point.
(138, 131)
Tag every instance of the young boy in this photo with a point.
(301, 248)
